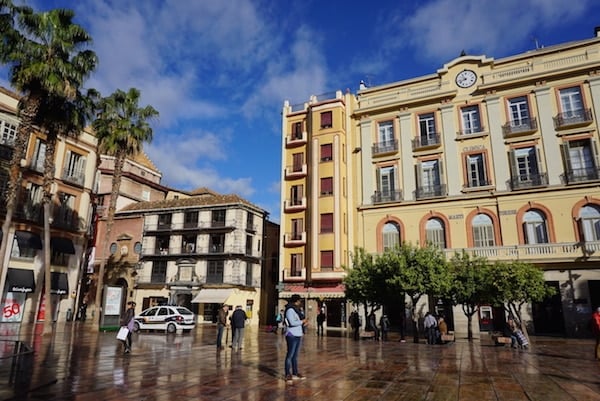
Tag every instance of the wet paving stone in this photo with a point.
(78, 365)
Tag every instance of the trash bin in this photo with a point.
(69, 315)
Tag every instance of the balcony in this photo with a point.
(297, 171)
(149, 278)
(432, 191)
(294, 204)
(293, 274)
(77, 178)
(474, 132)
(386, 197)
(582, 175)
(537, 253)
(294, 239)
(37, 165)
(296, 139)
(529, 181)
(524, 126)
(385, 147)
(574, 118)
(477, 185)
(189, 226)
(426, 142)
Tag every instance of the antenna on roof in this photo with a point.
(463, 53)
(537, 44)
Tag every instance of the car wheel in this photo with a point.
(136, 327)
(171, 328)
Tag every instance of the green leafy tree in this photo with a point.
(470, 285)
(417, 271)
(513, 284)
(48, 63)
(121, 126)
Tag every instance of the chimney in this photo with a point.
(597, 31)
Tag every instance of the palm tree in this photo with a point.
(121, 127)
(48, 65)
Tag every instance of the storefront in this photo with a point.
(19, 283)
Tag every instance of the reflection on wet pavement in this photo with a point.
(76, 364)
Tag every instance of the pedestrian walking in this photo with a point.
(595, 323)
(372, 321)
(384, 324)
(221, 324)
(320, 321)
(127, 320)
(238, 321)
(293, 338)
(354, 321)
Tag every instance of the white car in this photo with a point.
(165, 317)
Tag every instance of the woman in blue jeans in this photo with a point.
(293, 337)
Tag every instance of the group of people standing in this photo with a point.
(237, 321)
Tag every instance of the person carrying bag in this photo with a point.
(127, 326)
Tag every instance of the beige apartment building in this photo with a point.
(23, 298)
(495, 157)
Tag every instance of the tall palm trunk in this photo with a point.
(28, 113)
(47, 202)
(116, 183)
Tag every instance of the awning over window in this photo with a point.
(62, 245)
(27, 239)
(59, 283)
(20, 280)
(213, 296)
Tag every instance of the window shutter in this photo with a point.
(419, 173)
(595, 150)
(326, 152)
(378, 178)
(538, 161)
(513, 164)
(82, 162)
(326, 120)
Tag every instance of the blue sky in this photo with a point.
(219, 71)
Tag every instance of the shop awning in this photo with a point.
(62, 245)
(59, 283)
(20, 280)
(212, 296)
(333, 291)
(27, 239)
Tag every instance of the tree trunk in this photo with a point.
(415, 318)
(49, 171)
(116, 183)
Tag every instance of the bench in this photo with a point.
(500, 339)
(367, 334)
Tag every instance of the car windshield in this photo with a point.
(184, 311)
(149, 312)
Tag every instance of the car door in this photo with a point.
(147, 318)
(162, 317)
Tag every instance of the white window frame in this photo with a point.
(483, 231)
(535, 227)
(476, 169)
(386, 132)
(571, 101)
(471, 120)
(435, 232)
(519, 111)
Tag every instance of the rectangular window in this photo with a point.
(427, 128)
(250, 221)
(218, 218)
(326, 222)
(327, 259)
(8, 132)
(190, 219)
(326, 152)
(249, 274)
(327, 186)
(217, 243)
(326, 119)
(471, 122)
(74, 170)
(519, 111)
(164, 221)
(159, 271)
(297, 229)
(145, 195)
(249, 245)
(525, 164)
(581, 160)
(297, 161)
(386, 132)
(296, 195)
(386, 180)
(296, 264)
(39, 154)
(297, 130)
(476, 170)
(430, 175)
(65, 215)
(571, 103)
(162, 244)
(483, 236)
(32, 207)
(214, 271)
(188, 244)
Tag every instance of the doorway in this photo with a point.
(548, 314)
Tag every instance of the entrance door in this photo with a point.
(335, 311)
(594, 288)
(548, 315)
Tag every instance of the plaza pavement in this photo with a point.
(76, 364)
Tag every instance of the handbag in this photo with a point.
(122, 334)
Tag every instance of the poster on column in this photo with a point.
(13, 306)
(112, 305)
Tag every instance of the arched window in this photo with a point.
(590, 223)
(535, 228)
(435, 232)
(483, 231)
(391, 236)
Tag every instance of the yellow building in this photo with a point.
(496, 157)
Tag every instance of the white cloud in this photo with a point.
(442, 28)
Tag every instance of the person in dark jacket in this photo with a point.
(384, 324)
(372, 320)
(354, 321)
(238, 321)
(128, 321)
(320, 321)
(221, 324)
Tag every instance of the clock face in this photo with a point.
(466, 78)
